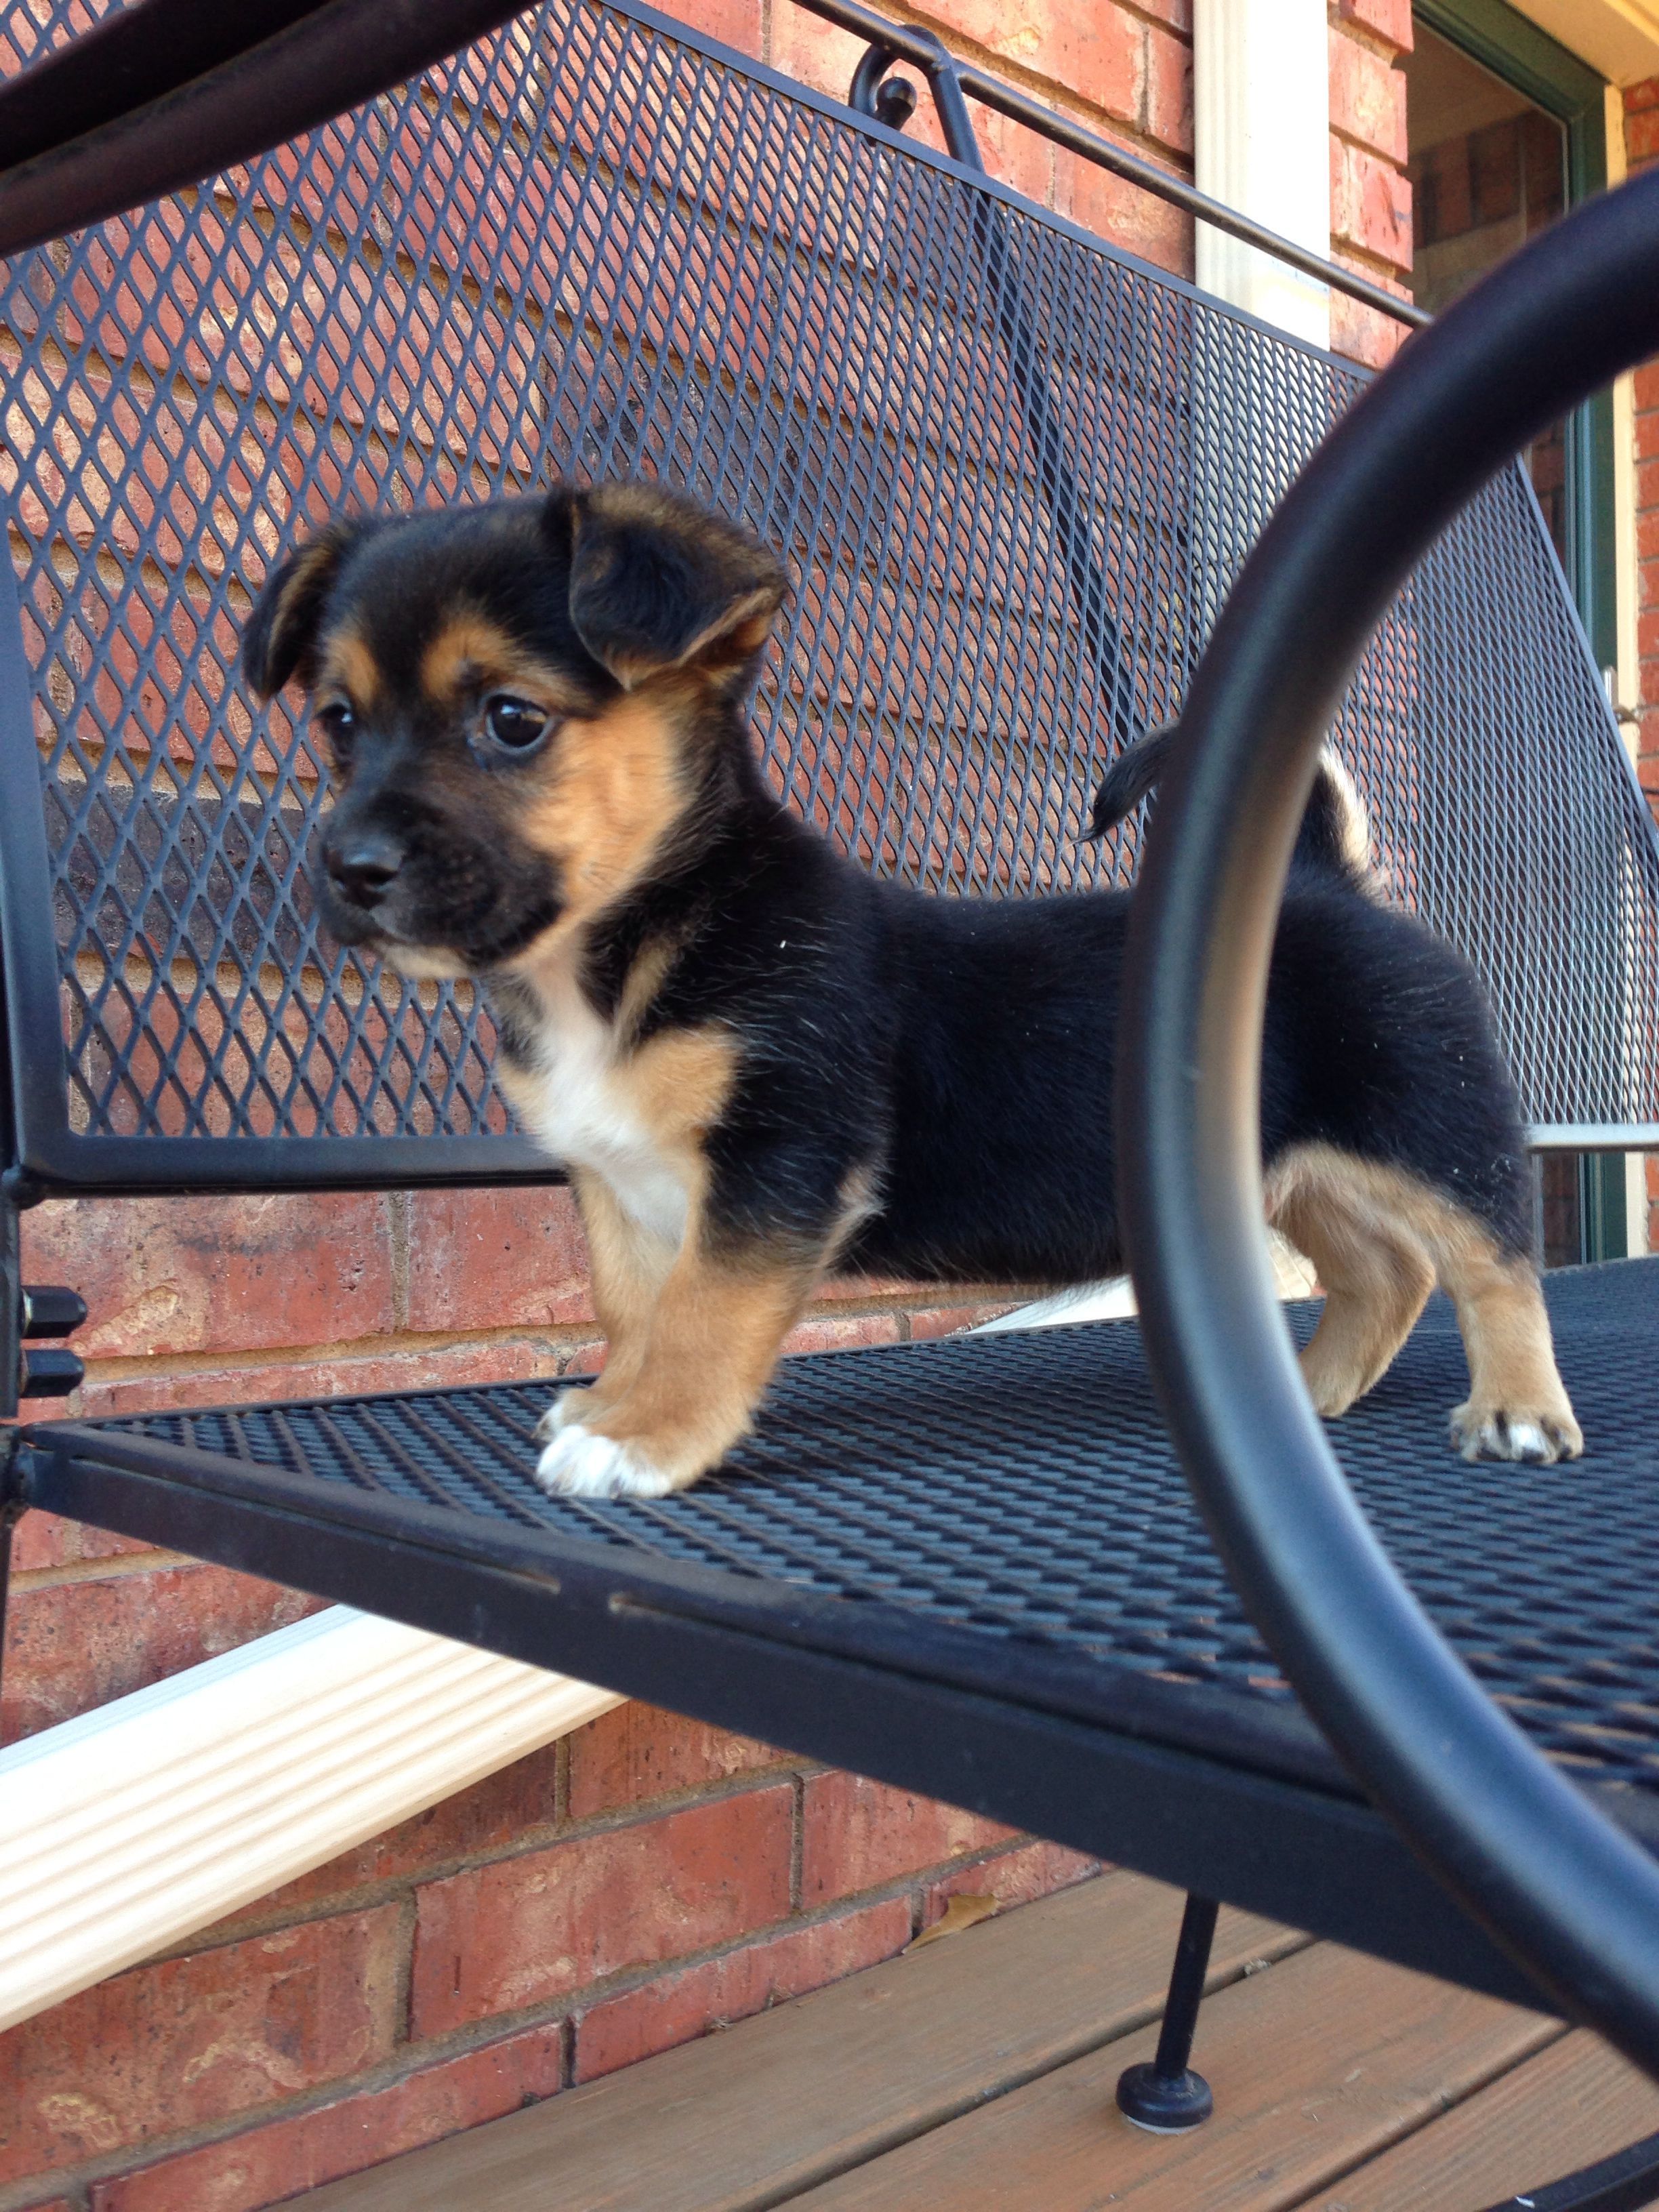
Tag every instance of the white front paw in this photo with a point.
(569, 1406)
(578, 1464)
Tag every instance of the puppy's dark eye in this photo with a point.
(339, 725)
(514, 724)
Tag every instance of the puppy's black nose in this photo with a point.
(364, 866)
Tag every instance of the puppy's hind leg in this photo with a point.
(1378, 1235)
(1375, 1273)
(1518, 1407)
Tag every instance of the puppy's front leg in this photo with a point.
(713, 1341)
(630, 1267)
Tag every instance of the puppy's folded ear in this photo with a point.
(281, 637)
(657, 583)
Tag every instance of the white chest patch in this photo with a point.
(578, 1112)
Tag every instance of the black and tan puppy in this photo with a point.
(760, 1065)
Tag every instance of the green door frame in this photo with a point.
(1512, 48)
(1495, 35)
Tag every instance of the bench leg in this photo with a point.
(1167, 2097)
(1628, 2179)
(9, 1513)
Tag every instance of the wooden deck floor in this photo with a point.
(977, 2074)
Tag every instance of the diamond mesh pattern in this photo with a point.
(897, 1477)
(1014, 475)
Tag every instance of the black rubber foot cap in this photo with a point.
(1163, 2104)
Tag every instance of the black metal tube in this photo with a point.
(137, 54)
(1576, 1903)
(302, 75)
(11, 1308)
(1192, 1964)
(1040, 405)
(944, 82)
(1165, 2095)
(864, 93)
(11, 1512)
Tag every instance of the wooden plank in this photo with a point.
(1317, 2064)
(1572, 2104)
(754, 2115)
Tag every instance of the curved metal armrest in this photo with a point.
(308, 67)
(128, 58)
(1571, 1898)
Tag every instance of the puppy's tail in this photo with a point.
(1335, 834)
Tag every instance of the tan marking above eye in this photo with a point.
(470, 654)
(606, 797)
(348, 667)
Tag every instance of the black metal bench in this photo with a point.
(1015, 472)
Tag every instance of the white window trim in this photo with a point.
(1261, 108)
(131, 1827)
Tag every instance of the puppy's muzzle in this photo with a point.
(363, 865)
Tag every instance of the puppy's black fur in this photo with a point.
(888, 1081)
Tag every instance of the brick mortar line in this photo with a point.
(1365, 35)
(1364, 263)
(13, 2197)
(1340, 133)
(397, 1231)
(409, 1922)
(410, 2059)
(392, 1889)
(97, 1570)
(910, 11)
(131, 1367)
(797, 1844)
(127, 1367)
(1140, 14)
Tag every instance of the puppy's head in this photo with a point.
(522, 701)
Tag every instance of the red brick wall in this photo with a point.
(642, 1882)
(650, 1879)
(1370, 197)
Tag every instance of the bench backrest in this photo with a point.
(1012, 470)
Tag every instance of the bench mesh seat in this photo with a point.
(1006, 1514)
